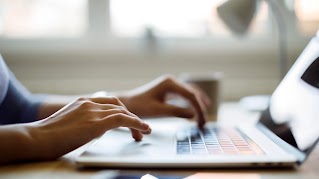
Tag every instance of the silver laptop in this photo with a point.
(284, 136)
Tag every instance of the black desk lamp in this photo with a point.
(237, 15)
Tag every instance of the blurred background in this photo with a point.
(82, 46)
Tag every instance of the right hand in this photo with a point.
(155, 93)
(81, 121)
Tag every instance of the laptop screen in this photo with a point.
(293, 113)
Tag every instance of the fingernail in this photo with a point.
(145, 126)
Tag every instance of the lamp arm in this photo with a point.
(280, 20)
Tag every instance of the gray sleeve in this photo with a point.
(19, 105)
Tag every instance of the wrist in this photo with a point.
(45, 143)
(37, 142)
(28, 143)
(31, 142)
(18, 144)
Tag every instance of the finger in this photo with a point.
(101, 107)
(193, 99)
(123, 120)
(149, 131)
(205, 99)
(178, 111)
(203, 95)
(137, 135)
(107, 100)
(107, 112)
(121, 108)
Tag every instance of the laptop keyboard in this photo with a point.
(215, 141)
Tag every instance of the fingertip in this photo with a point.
(180, 111)
(145, 126)
(201, 122)
(137, 136)
(201, 125)
(149, 131)
(138, 139)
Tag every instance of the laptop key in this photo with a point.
(216, 141)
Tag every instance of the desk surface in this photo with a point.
(228, 113)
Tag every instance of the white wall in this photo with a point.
(248, 69)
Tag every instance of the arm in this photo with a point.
(21, 106)
(69, 128)
(13, 138)
(150, 100)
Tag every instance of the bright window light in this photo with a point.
(307, 12)
(169, 18)
(42, 18)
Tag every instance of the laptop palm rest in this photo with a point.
(119, 142)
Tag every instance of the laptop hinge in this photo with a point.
(283, 144)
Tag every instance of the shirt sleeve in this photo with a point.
(4, 79)
(19, 105)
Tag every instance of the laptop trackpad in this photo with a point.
(119, 142)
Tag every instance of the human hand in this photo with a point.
(202, 94)
(150, 100)
(81, 121)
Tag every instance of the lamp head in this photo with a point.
(237, 14)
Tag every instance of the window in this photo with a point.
(42, 18)
(307, 13)
(134, 18)
(173, 18)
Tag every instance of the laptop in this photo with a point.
(284, 135)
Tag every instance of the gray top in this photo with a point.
(4, 79)
(17, 104)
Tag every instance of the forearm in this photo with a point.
(33, 142)
(15, 143)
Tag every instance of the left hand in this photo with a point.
(150, 100)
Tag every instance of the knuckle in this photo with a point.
(119, 119)
(169, 78)
(166, 79)
(122, 110)
(86, 104)
(81, 99)
(114, 99)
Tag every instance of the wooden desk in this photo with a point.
(228, 113)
